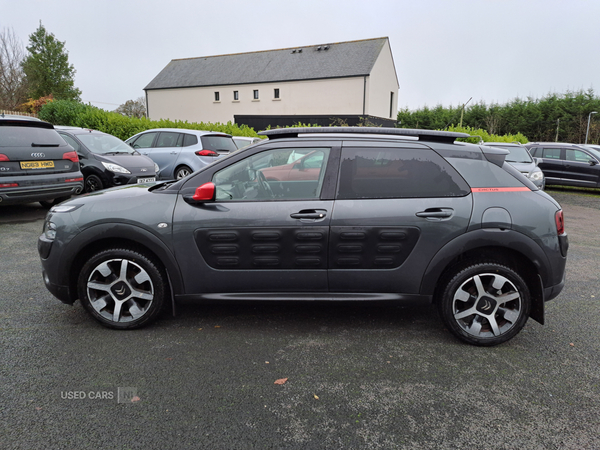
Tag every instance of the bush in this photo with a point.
(486, 137)
(75, 114)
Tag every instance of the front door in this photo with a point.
(262, 234)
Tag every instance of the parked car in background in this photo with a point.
(244, 141)
(179, 152)
(567, 164)
(106, 160)
(379, 214)
(521, 159)
(36, 165)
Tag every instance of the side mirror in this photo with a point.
(537, 161)
(204, 193)
(593, 162)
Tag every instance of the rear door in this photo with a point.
(551, 163)
(395, 207)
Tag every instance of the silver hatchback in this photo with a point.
(179, 152)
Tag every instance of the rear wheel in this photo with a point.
(484, 303)
(122, 288)
(93, 183)
(182, 172)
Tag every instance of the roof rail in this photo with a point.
(422, 135)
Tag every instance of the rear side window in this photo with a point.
(218, 143)
(29, 137)
(169, 140)
(550, 153)
(578, 156)
(397, 173)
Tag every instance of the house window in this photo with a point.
(391, 104)
(217, 97)
(236, 95)
(276, 93)
(255, 94)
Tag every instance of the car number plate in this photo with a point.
(37, 164)
(146, 180)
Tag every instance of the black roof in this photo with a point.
(332, 60)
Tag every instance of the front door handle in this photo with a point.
(309, 214)
(435, 213)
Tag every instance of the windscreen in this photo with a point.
(104, 143)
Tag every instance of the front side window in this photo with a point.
(578, 156)
(144, 141)
(72, 142)
(397, 173)
(269, 175)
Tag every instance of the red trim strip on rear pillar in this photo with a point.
(498, 189)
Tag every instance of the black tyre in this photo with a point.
(122, 288)
(93, 183)
(182, 171)
(485, 303)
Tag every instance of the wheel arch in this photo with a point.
(499, 246)
(104, 236)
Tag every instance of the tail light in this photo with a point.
(560, 222)
(72, 180)
(7, 185)
(4, 157)
(206, 153)
(72, 156)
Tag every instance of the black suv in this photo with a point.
(321, 214)
(567, 164)
(36, 165)
(106, 160)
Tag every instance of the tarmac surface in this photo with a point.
(359, 375)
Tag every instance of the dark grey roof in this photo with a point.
(334, 60)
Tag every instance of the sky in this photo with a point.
(445, 51)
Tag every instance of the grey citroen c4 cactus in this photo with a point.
(359, 214)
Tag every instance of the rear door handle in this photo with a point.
(309, 214)
(436, 213)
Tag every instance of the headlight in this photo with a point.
(50, 230)
(64, 208)
(115, 168)
(156, 169)
(536, 175)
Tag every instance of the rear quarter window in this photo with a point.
(397, 173)
(483, 174)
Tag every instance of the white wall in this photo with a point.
(381, 83)
(334, 96)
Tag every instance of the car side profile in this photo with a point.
(567, 164)
(36, 165)
(379, 214)
(106, 160)
(179, 152)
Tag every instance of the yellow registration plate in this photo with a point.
(37, 164)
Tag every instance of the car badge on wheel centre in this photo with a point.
(38, 155)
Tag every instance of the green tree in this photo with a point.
(133, 108)
(47, 67)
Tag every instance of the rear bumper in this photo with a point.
(37, 193)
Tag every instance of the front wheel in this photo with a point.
(485, 303)
(93, 183)
(122, 288)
